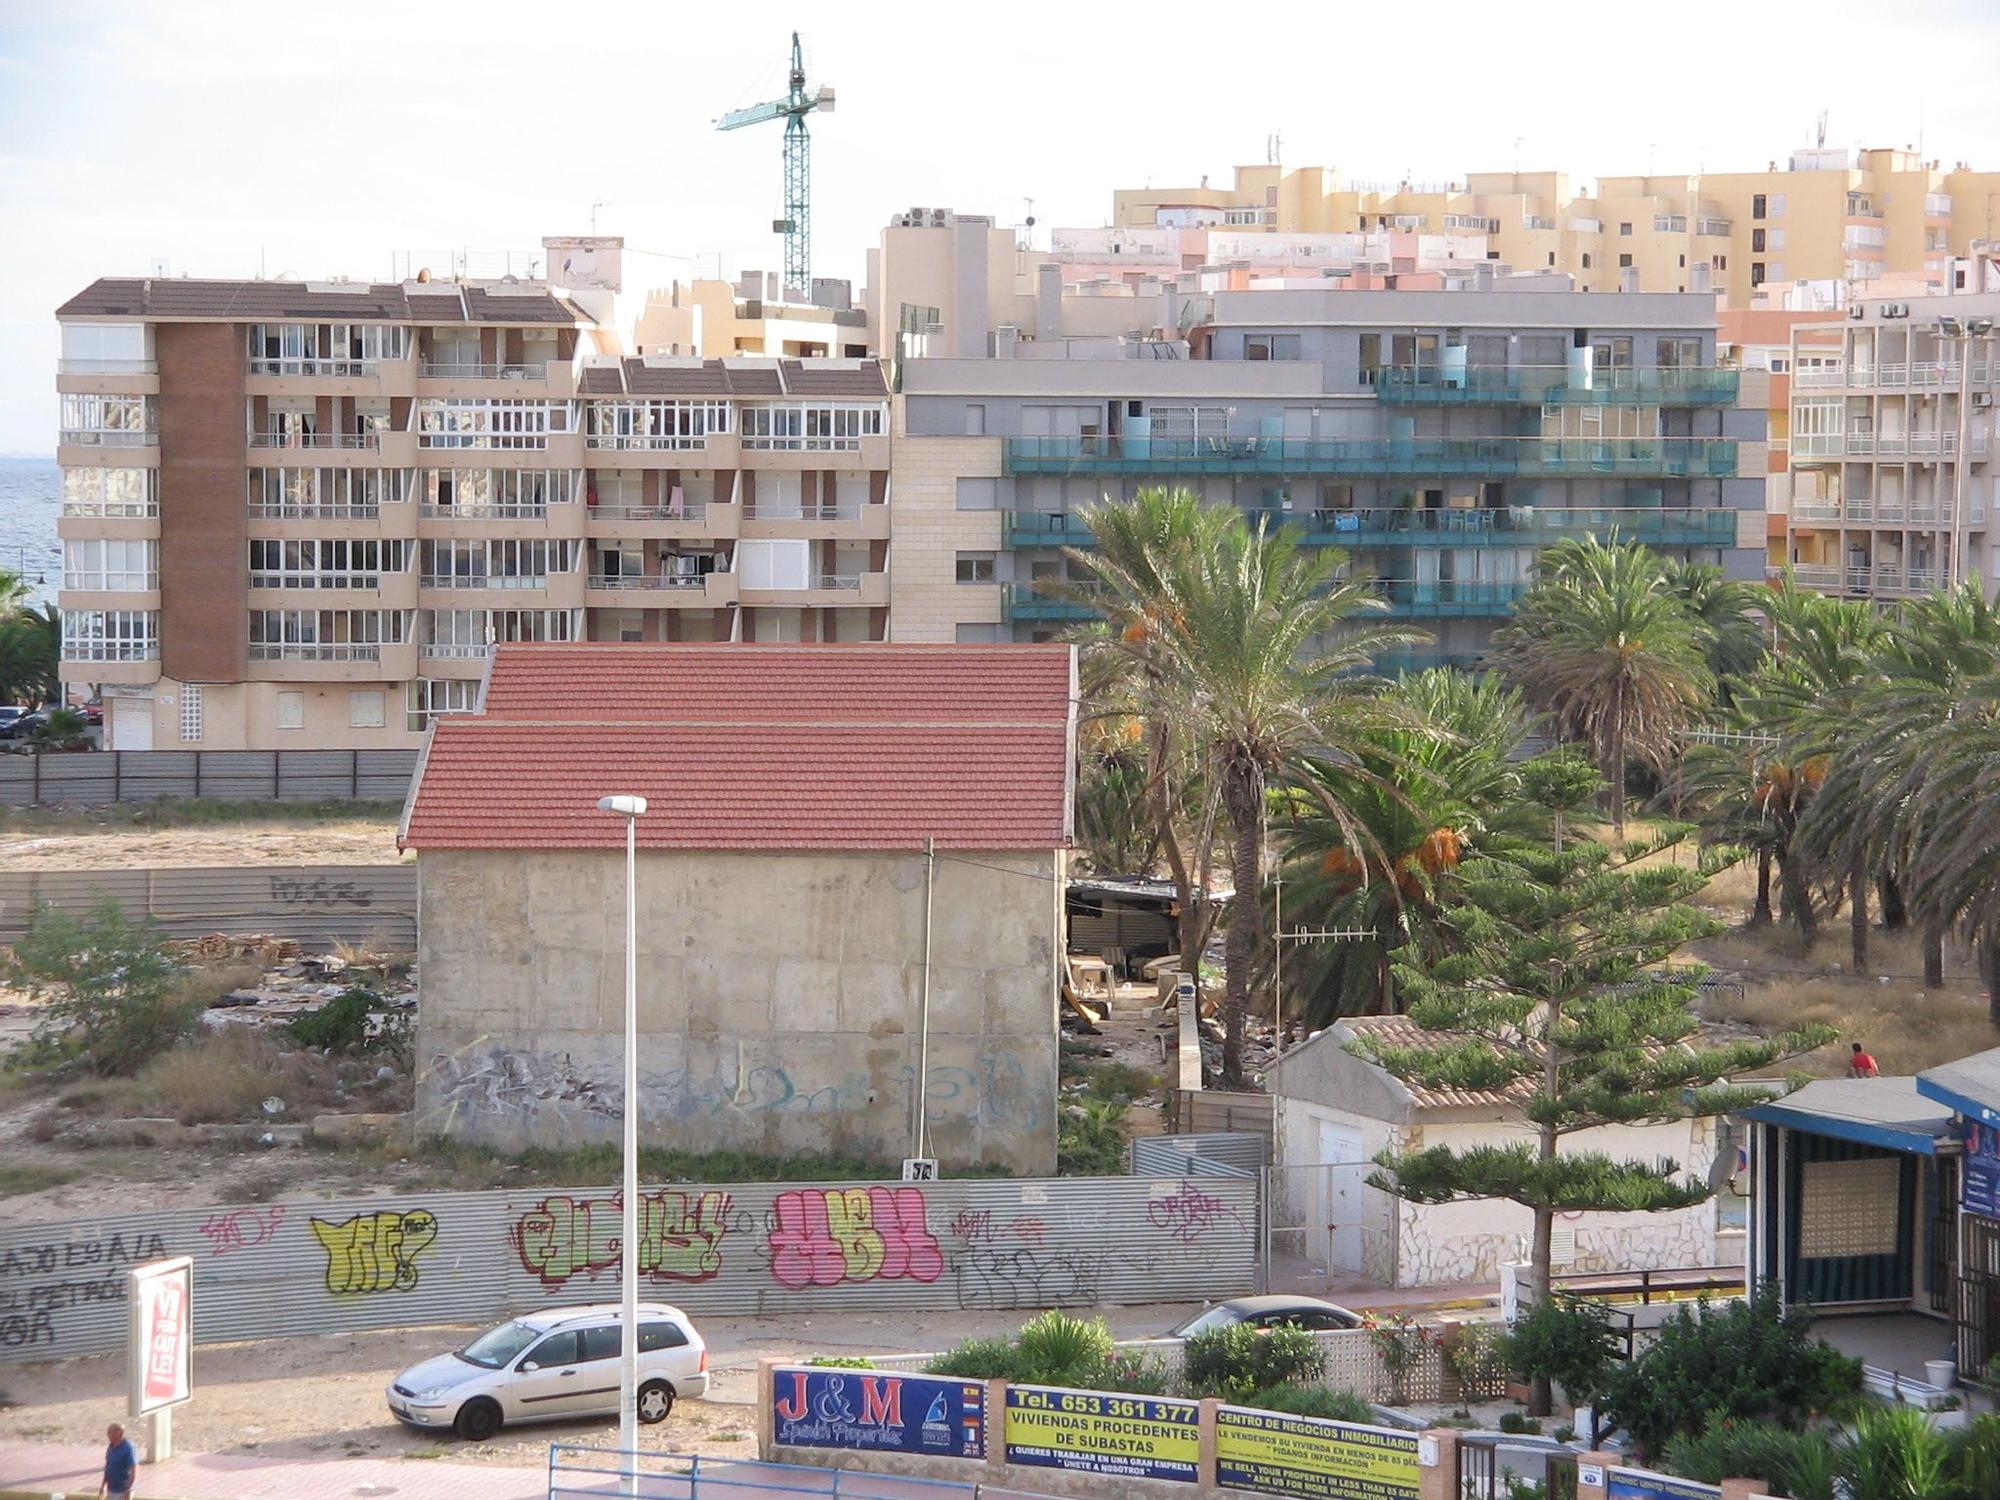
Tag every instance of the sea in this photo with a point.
(30, 500)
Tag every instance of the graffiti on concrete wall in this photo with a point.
(41, 1282)
(375, 1252)
(680, 1236)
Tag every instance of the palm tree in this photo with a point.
(1428, 794)
(1727, 609)
(63, 729)
(30, 647)
(1611, 654)
(1263, 658)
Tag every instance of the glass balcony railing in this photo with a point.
(1036, 528)
(1477, 457)
(1538, 385)
(1416, 599)
(1026, 601)
(1513, 526)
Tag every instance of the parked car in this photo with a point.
(93, 712)
(553, 1365)
(23, 726)
(11, 715)
(1268, 1312)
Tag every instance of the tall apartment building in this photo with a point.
(714, 319)
(1892, 432)
(1760, 338)
(1830, 216)
(1440, 438)
(298, 513)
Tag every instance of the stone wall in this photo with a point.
(779, 1001)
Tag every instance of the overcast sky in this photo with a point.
(222, 137)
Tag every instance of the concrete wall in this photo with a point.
(778, 1001)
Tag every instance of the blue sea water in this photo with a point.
(30, 500)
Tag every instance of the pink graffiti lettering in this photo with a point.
(1189, 1212)
(970, 1224)
(825, 1236)
(1031, 1231)
(680, 1236)
(241, 1228)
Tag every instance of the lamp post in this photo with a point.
(631, 809)
(1961, 332)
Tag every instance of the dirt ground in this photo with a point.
(73, 844)
(323, 1396)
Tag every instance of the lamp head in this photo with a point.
(1951, 328)
(1979, 327)
(625, 807)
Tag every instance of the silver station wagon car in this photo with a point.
(550, 1366)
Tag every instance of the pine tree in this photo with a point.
(1556, 995)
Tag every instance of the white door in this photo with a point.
(131, 723)
(1337, 1221)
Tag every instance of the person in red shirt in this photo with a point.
(1860, 1064)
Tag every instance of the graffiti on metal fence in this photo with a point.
(38, 1281)
(294, 890)
(1188, 1212)
(240, 1228)
(375, 1252)
(826, 1236)
(680, 1236)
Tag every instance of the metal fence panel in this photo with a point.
(228, 775)
(1212, 1154)
(268, 1270)
(316, 904)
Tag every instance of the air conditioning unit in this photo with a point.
(1856, 311)
(1982, 399)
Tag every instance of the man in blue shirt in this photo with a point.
(121, 1462)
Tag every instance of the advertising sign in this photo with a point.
(160, 1346)
(1641, 1484)
(1091, 1432)
(1979, 1172)
(1268, 1453)
(925, 1414)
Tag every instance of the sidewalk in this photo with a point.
(43, 1469)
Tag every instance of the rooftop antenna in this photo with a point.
(796, 226)
(594, 207)
(1819, 135)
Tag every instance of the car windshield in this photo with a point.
(1202, 1322)
(496, 1346)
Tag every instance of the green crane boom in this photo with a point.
(796, 226)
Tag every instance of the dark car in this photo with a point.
(1269, 1312)
(13, 718)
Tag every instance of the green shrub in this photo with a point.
(1119, 1081)
(1742, 1360)
(111, 991)
(1517, 1421)
(1976, 1456)
(980, 1359)
(340, 1025)
(1238, 1361)
(1895, 1454)
(1315, 1401)
(1569, 1340)
(1136, 1374)
(1057, 1349)
(840, 1362)
(1090, 1139)
(1798, 1464)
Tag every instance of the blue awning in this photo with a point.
(1887, 1113)
(1970, 1086)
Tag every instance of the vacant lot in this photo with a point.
(198, 834)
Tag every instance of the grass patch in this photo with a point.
(443, 1163)
(1119, 1081)
(1905, 1035)
(193, 812)
(425, 1454)
(224, 1077)
(32, 1177)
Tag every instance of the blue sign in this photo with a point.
(923, 1414)
(1979, 1171)
(1640, 1484)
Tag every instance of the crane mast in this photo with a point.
(796, 225)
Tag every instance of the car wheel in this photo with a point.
(477, 1420)
(656, 1400)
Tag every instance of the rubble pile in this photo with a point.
(296, 984)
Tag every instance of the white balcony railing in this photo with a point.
(645, 442)
(106, 367)
(111, 651)
(313, 365)
(452, 651)
(649, 580)
(307, 510)
(315, 440)
(691, 511)
(107, 437)
(314, 651)
(111, 510)
(524, 511)
(453, 370)
(756, 512)
(485, 581)
(1819, 376)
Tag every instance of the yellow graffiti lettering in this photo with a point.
(851, 1221)
(375, 1252)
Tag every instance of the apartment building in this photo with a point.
(1892, 431)
(298, 514)
(1830, 215)
(1760, 338)
(1441, 439)
(754, 314)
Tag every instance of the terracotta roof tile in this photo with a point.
(749, 747)
(807, 377)
(1401, 1031)
(170, 297)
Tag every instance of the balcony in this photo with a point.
(694, 514)
(1887, 581)
(1538, 385)
(648, 442)
(1034, 528)
(107, 367)
(1411, 599)
(451, 370)
(316, 440)
(1399, 663)
(1025, 601)
(1484, 458)
(820, 591)
(1518, 526)
(523, 511)
(1918, 445)
(650, 581)
(484, 580)
(107, 437)
(350, 369)
(307, 510)
(660, 590)
(334, 651)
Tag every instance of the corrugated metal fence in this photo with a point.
(269, 1270)
(1214, 1154)
(366, 905)
(228, 775)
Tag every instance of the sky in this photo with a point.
(231, 138)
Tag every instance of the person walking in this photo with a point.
(121, 1465)
(1860, 1064)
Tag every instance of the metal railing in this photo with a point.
(452, 651)
(306, 510)
(648, 580)
(1485, 457)
(313, 365)
(484, 581)
(1869, 581)
(355, 581)
(110, 650)
(108, 437)
(316, 650)
(643, 442)
(452, 370)
(315, 440)
(1517, 525)
(1431, 385)
(1931, 444)
(756, 512)
(692, 511)
(111, 510)
(526, 510)
(800, 444)
(106, 367)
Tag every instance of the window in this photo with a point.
(324, 348)
(1777, 205)
(517, 564)
(364, 709)
(427, 697)
(108, 421)
(975, 567)
(492, 424)
(111, 492)
(975, 419)
(653, 1336)
(1625, 229)
(655, 424)
(553, 1352)
(978, 494)
(1586, 260)
(323, 494)
(324, 634)
(977, 635)
(106, 348)
(501, 493)
(466, 633)
(1624, 262)
(324, 562)
(603, 1342)
(810, 428)
(110, 635)
(1190, 421)
(291, 710)
(1758, 205)
(190, 712)
(1756, 273)
(1271, 346)
(111, 563)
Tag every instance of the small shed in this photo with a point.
(1970, 1089)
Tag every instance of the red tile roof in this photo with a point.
(1401, 1031)
(757, 747)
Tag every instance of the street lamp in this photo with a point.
(1961, 331)
(631, 809)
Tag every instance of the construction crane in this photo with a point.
(796, 226)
